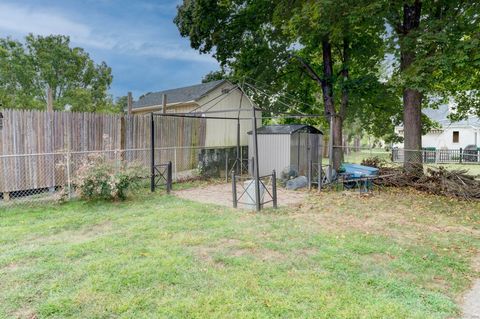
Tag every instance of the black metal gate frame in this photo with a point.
(202, 115)
(272, 195)
(162, 175)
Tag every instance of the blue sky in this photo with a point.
(138, 39)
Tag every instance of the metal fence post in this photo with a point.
(69, 180)
(256, 171)
(309, 174)
(175, 162)
(169, 177)
(234, 190)
(241, 161)
(461, 154)
(226, 165)
(274, 189)
(152, 155)
(320, 177)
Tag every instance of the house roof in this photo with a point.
(440, 115)
(178, 95)
(287, 129)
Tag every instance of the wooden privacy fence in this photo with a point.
(176, 139)
(32, 144)
(35, 146)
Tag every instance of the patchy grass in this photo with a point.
(397, 254)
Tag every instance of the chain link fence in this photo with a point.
(468, 160)
(28, 179)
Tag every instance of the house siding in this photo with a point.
(222, 133)
(219, 133)
(444, 139)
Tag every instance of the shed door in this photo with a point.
(299, 151)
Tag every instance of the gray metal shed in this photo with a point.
(286, 146)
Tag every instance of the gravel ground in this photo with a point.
(221, 194)
(471, 306)
(471, 301)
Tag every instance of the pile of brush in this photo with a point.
(438, 181)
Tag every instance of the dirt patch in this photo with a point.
(221, 194)
(25, 314)
(11, 267)
(76, 236)
(235, 248)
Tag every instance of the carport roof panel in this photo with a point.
(287, 129)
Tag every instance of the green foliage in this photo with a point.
(99, 178)
(446, 49)
(255, 41)
(28, 69)
(214, 76)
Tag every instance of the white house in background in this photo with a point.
(213, 96)
(450, 135)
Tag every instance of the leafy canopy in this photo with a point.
(255, 41)
(29, 69)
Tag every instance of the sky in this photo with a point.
(137, 39)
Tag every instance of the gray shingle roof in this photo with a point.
(440, 115)
(287, 129)
(183, 94)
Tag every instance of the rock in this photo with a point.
(288, 173)
(296, 183)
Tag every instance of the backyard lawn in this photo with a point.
(397, 254)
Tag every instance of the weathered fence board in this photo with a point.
(34, 144)
(32, 140)
(176, 139)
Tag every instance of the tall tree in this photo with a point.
(30, 70)
(257, 39)
(434, 43)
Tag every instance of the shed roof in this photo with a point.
(178, 95)
(287, 129)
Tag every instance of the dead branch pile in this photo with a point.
(438, 181)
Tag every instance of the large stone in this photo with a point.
(296, 183)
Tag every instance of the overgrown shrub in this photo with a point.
(100, 178)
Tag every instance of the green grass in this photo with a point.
(393, 255)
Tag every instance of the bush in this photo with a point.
(99, 178)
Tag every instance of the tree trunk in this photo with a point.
(345, 76)
(337, 142)
(412, 98)
(356, 144)
(412, 119)
(327, 82)
(327, 90)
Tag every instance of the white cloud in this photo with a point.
(21, 20)
(18, 20)
(168, 51)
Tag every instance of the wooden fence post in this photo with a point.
(129, 103)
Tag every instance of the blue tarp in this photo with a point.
(358, 171)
